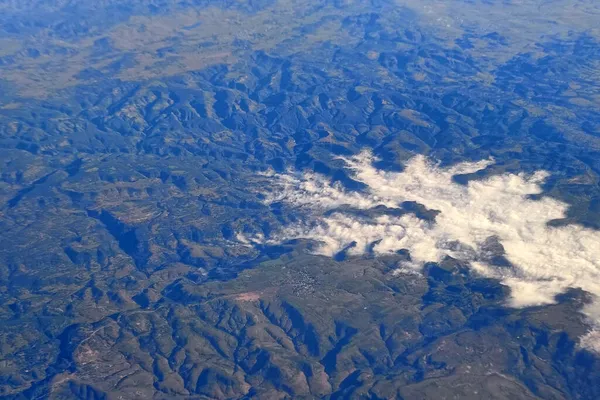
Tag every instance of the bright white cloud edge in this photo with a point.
(547, 260)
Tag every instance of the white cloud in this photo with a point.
(546, 260)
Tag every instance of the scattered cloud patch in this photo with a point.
(492, 223)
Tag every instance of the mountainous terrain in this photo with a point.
(139, 141)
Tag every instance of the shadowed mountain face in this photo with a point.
(142, 147)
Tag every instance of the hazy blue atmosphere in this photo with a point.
(276, 199)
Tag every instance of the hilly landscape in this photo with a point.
(172, 172)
